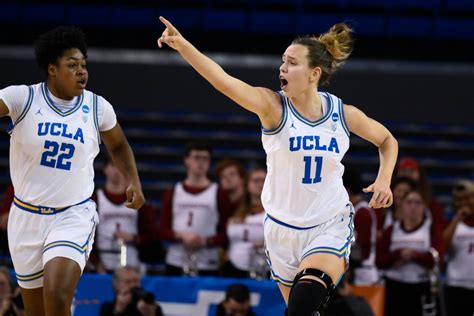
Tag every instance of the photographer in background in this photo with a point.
(130, 298)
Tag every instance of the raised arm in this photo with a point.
(379, 135)
(261, 101)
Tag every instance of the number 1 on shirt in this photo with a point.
(307, 169)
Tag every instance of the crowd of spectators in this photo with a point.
(207, 227)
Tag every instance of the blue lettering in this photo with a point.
(40, 129)
(307, 146)
(333, 145)
(294, 147)
(317, 146)
(55, 129)
(65, 133)
(79, 136)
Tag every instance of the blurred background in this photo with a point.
(412, 69)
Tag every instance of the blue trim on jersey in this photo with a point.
(29, 277)
(280, 280)
(282, 122)
(66, 243)
(51, 104)
(309, 122)
(275, 276)
(288, 225)
(343, 117)
(334, 251)
(42, 210)
(27, 107)
(95, 110)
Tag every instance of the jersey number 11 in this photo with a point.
(308, 161)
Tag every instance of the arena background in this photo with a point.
(412, 69)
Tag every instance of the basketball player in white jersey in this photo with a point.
(308, 230)
(459, 243)
(56, 129)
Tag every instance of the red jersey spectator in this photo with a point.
(194, 217)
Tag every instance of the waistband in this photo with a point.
(279, 222)
(42, 210)
(288, 225)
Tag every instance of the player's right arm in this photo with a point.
(13, 99)
(261, 101)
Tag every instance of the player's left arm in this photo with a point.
(374, 132)
(123, 158)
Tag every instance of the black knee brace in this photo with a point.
(308, 295)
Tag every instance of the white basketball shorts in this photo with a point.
(288, 245)
(38, 234)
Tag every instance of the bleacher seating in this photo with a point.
(374, 17)
(158, 140)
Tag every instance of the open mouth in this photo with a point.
(283, 83)
(82, 83)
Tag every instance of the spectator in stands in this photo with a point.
(119, 224)
(231, 175)
(194, 217)
(410, 168)
(404, 251)
(400, 187)
(236, 303)
(459, 243)
(130, 298)
(365, 225)
(245, 228)
(11, 303)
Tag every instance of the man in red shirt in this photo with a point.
(194, 217)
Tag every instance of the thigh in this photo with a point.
(71, 234)
(26, 235)
(282, 245)
(61, 276)
(33, 301)
(333, 238)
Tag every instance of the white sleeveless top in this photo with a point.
(111, 218)
(242, 237)
(368, 273)
(303, 186)
(419, 240)
(196, 213)
(52, 151)
(460, 271)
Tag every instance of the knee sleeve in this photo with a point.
(306, 298)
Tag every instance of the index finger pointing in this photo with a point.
(167, 23)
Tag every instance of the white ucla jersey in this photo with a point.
(419, 240)
(52, 152)
(113, 217)
(461, 259)
(303, 187)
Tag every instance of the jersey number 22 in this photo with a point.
(57, 155)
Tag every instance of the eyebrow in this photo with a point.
(289, 57)
(75, 58)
